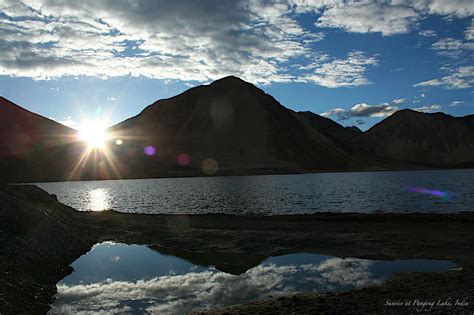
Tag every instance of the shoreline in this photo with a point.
(238, 173)
(41, 238)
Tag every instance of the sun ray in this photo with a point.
(84, 157)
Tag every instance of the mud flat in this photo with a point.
(40, 238)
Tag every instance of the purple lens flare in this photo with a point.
(433, 192)
(150, 150)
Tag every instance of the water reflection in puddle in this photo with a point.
(119, 278)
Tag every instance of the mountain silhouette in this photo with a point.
(340, 135)
(228, 127)
(233, 123)
(424, 138)
(32, 147)
(22, 131)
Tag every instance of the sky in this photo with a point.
(355, 62)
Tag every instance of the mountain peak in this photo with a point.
(229, 78)
(230, 81)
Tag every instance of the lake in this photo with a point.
(405, 191)
(133, 279)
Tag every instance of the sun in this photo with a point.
(94, 134)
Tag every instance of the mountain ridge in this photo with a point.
(233, 121)
(228, 127)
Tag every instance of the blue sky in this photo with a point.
(355, 62)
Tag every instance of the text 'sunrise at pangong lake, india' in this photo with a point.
(406, 191)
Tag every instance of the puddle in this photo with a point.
(134, 279)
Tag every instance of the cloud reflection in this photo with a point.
(197, 290)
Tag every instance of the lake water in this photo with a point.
(119, 279)
(407, 191)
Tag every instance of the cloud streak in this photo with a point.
(453, 48)
(428, 108)
(459, 78)
(343, 72)
(365, 110)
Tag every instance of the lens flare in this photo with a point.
(209, 166)
(184, 159)
(149, 150)
(426, 191)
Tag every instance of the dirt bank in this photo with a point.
(40, 238)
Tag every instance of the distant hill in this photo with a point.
(332, 130)
(411, 136)
(228, 127)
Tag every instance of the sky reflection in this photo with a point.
(117, 278)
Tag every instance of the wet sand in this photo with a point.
(40, 238)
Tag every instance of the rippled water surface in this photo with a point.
(118, 278)
(408, 191)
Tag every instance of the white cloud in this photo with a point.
(200, 41)
(458, 8)
(67, 121)
(365, 110)
(428, 108)
(399, 101)
(470, 31)
(343, 72)
(451, 47)
(369, 17)
(385, 17)
(183, 40)
(459, 78)
(427, 33)
(456, 103)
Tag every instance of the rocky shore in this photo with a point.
(40, 238)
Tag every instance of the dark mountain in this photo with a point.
(422, 138)
(233, 123)
(332, 130)
(22, 132)
(32, 147)
(227, 127)
(355, 128)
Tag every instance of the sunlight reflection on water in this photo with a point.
(449, 191)
(99, 199)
